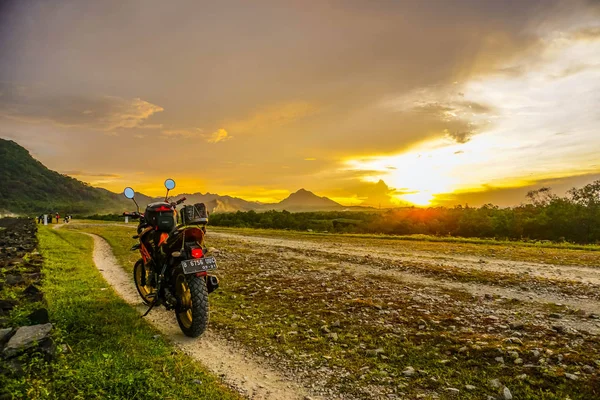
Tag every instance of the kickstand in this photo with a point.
(149, 308)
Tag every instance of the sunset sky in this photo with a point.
(366, 102)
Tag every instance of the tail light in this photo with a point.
(197, 252)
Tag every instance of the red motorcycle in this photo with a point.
(174, 268)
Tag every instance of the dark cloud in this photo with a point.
(36, 104)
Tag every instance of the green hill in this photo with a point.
(28, 187)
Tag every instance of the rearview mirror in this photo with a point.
(170, 184)
(129, 193)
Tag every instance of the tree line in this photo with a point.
(574, 217)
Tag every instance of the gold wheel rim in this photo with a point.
(185, 300)
(144, 290)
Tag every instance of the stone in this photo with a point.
(516, 326)
(587, 368)
(39, 316)
(453, 391)
(571, 377)
(7, 305)
(409, 371)
(333, 336)
(500, 359)
(463, 349)
(12, 280)
(506, 394)
(5, 334)
(26, 337)
(495, 383)
(336, 324)
(470, 387)
(522, 376)
(555, 315)
(373, 352)
(518, 361)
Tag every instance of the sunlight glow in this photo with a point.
(538, 124)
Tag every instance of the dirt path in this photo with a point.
(549, 271)
(243, 372)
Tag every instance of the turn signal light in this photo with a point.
(197, 253)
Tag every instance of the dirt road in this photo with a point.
(243, 372)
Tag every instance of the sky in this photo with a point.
(382, 103)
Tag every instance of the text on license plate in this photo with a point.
(198, 265)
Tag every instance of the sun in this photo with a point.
(417, 198)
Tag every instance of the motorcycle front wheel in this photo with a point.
(146, 291)
(192, 303)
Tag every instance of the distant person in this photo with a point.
(40, 218)
(57, 218)
(49, 218)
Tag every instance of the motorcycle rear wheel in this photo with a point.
(146, 291)
(192, 300)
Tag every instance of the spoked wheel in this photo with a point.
(192, 299)
(146, 291)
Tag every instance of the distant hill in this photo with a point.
(28, 187)
(304, 200)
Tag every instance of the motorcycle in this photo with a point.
(174, 268)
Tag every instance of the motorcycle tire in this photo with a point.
(192, 299)
(146, 291)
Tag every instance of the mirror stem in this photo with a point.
(136, 204)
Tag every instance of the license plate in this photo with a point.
(198, 265)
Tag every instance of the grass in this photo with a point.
(356, 334)
(111, 353)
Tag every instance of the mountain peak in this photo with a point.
(305, 199)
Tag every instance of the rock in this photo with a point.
(373, 352)
(12, 280)
(518, 361)
(535, 353)
(7, 305)
(289, 352)
(463, 349)
(516, 326)
(555, 315)
(499, 359)
(506, 394)
(495, 383)
(325, 329)
(336, 324)
(27, 337)
(513, 354)
(488, 296)
(587, 368)
(39, 316)
(470, 387)
(31, 290)
(333, 336)
(558, 328)
(453, 391)
(571, 377)
(197, 381)
(409, 371)
(522, 376)
(5, 334)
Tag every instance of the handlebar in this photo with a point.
(178, 202)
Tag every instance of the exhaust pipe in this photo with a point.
(212, 283)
